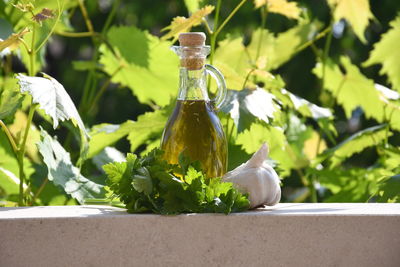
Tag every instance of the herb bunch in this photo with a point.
(150, 184)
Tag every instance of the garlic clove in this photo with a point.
(258, 157)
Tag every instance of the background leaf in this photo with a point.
(52, 98)
(10, 101)
(152, 74)
(182, 24)
(383, 53)
(356, 12)
(283, 7)
(389, 190)
(192, 5)
(352, 89)
(62, 173)
(358, 142)
(247, 105)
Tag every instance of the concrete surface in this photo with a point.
(283, 235)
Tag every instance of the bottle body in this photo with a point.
(195, 130)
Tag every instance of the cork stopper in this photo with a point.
(192, 39)
(192, 43)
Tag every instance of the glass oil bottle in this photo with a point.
(194, 128)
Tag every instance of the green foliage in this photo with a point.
(192, 5)
(357, 13)
(63, 173)
(389, 190)
(151, 184)
(246, 106)
(264, 53)
(9, 176)
(336, 141)
(55, 102)
(351, 88)
(356, 143)
(52, 98)
(146, 72)
(10, 101)
(147, 127)
(383, 53)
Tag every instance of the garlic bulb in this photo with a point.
(258, 179)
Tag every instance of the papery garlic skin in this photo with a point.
(258, 179)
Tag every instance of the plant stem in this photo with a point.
(264, 14)
(207, 26)
(78, 34)
(319, 36)
(313, 191)
(85, 15)
(325, 54)
(32, 53)
(247, 78)
(28, 50)
(213, 35)
(111, 16)
(313, 178)
(91, 82)
(103, 89)
(21, 154)
(10, 138)
(27, 128)
(236, 9)
(39, 190)
(231, 132)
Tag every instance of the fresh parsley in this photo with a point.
(150, 184)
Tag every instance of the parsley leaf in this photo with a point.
(150, 184)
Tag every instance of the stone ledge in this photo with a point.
(284, 235)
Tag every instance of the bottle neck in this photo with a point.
(193, 84)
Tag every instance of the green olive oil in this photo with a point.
(195, 130)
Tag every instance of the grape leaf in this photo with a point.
(107, 155)
(306, 108)
(141, 62)
(63, 173)
(284, 45)
(192, 5)
(356, 12)
(55, 102)
(251, 139)
(265, 52)
(283, 7)
(352, 89)
(356, 143)
(105, 134)
(52, 98)
(182, 24)
(147, 127)
(13, 41)
(383, 53)
(389, 190)
(10, 101)
(247, 105)
(353, 185)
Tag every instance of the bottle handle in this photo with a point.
(219, 78)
